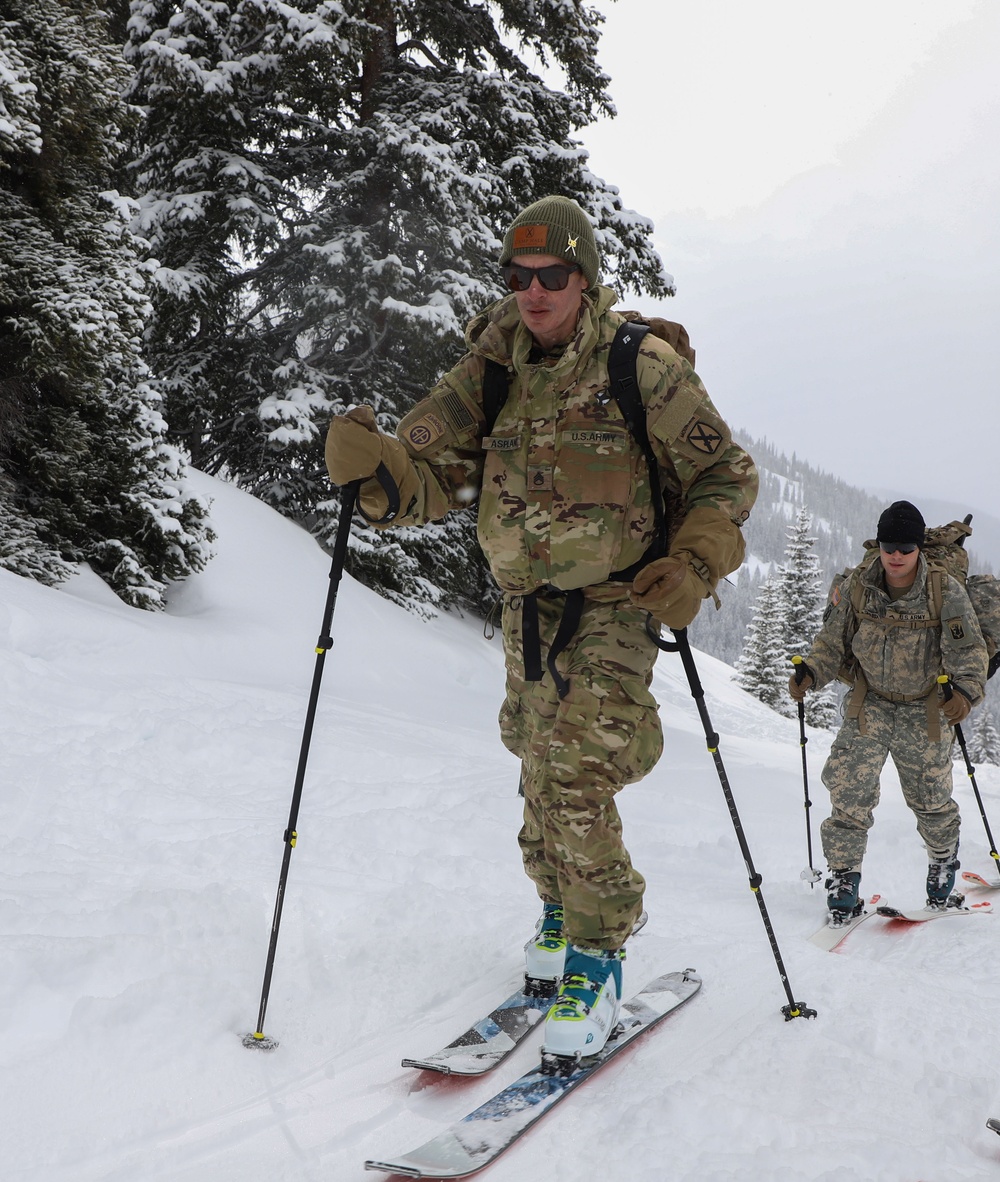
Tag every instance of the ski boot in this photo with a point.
(545, 953)
(842, 896)
(585, 1012)
(941, 880)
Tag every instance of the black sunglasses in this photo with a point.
(552, 278)
(902, 547)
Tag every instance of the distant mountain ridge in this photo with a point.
(843, 518)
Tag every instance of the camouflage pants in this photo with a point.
(899, 730)
(576, 753)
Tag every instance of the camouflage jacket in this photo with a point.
(901, 661)
(563, 489)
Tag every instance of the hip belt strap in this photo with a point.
(531, 634)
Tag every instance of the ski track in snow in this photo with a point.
(146, 768)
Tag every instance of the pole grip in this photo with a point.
(944, 681)
(800, 668)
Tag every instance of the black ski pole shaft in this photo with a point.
(812, 874)
(794, 1009)
(945, 682)
(323, 645)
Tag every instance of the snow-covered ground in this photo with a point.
(146, 773)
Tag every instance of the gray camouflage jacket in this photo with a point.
(899, 648)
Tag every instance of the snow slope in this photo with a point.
(146, 773)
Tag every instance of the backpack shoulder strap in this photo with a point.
(935, 595)
(857, 593)
(496, 384)
(622, 360)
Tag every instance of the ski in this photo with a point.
(925, 914)
(977, 882)
(479, 1138)
(490, 1040)
(831, 936)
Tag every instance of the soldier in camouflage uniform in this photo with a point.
(884, 624)
(566, 516)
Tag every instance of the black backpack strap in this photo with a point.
(531, 645)
(568, 624)
(622, 360)
(496, 384)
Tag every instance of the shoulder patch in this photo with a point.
(835, 595)
(426, 430)
(702, 437)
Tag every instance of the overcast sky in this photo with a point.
(825, 183)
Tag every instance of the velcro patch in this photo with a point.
(702, 437)
(956, 629)
(531, 237)
(424, 432)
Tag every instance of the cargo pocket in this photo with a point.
(628, 723)
(647, 742)
(513, 728)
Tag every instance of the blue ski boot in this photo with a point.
(941, 880)
(585, 1011)
(842, 896)
(545, 953)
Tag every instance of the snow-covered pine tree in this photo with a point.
(87, 474)
(325, 185)
(804, 600)
(763, 668)
(984, 738)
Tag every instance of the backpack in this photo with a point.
(945, 553)
(624, 387)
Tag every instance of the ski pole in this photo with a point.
(945, 682)
(794, 1009)
(810, 874)
(325, 642)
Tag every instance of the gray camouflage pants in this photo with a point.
(576, 753)
(899, 730)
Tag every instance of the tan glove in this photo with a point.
(353, 446)
(956, 707)
(797, 689)
(707, 546)
(669, 590)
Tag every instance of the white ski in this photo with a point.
(831, 936)
(925, 914)
(479, 1138)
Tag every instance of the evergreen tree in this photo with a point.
(984, 737)
(325, 186)
(804, 601)
(762, 669)
(85, 471)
